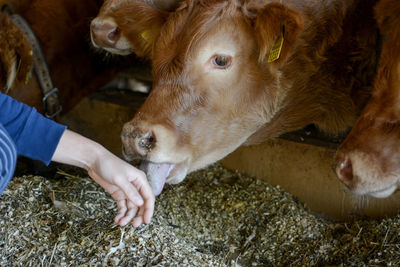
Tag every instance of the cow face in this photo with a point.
(104, 31)
(112, 29)
(368, 161)
(213, 86)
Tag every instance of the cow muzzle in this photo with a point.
(104, 34)
(361, 174)
(161, 161)
(137, 143)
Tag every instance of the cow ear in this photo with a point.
(276, 30)
(140, 23)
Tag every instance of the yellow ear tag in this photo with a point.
(275, 51)
(146, 35)
(27, 78)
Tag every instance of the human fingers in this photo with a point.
(114, 189)
(148, 196)
(148, 211)
(137, 221)
(121, 204)
(140, 217)
(132, 210)
(143, 216)
(130, 191)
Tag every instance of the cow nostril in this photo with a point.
(146, 141)
(105, 34)
(114, 35)
(345, 171)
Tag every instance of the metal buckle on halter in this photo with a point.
(48, 107)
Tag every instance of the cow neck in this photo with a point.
(51, 102)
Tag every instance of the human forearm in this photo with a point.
(77, 150)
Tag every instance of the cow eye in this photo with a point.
(222, 61)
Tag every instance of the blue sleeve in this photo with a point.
(34, 135)
(8, 158)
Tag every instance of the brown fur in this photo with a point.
(375, 138)
(63, 29)
(338, 48)
(150, 21)
(327, 64)
(333, 70)
(13, 48)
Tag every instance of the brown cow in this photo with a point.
(62, 28)
(368, 161)
(228, 73)
(117, 40)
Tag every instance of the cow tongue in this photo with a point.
(157, 174)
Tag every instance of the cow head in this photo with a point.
(213, 85)
(112, 29)
(368, 161)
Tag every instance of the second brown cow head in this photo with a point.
(368, 161)
(113, 30)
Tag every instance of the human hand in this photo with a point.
(126, 184)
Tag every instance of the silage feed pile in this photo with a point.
(215, 218)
